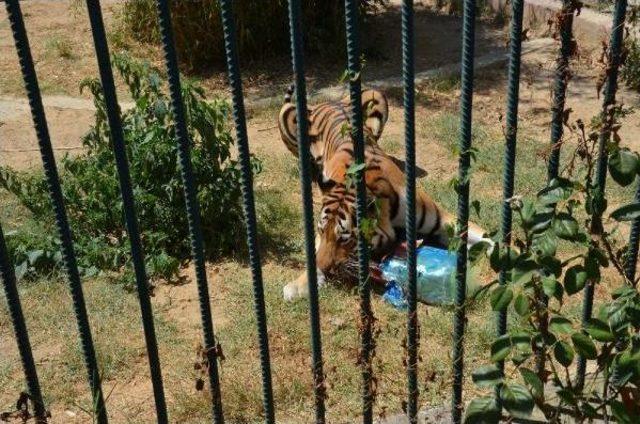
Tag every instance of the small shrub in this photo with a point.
(59, 47)
(262, 27)
(542, 282)
(90, 182)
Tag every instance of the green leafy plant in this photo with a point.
(91, 190)
(543, 343)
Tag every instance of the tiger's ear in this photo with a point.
(375, 111)
(288, 125)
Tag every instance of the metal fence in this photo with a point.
(192, 208)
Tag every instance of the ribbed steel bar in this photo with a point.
(235, 80)
(21, 333)
(511, 133)
(408, 74)
(304, 156)
(634, 237)
(51, 173)
(609, 99)
(366, 315)
(128, 205)
(192, 205)
(564, 21)
(466, 103)
(562, 73)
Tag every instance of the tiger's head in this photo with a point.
(337, 233)
(337, 236)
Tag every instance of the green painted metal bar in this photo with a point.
(128, 204)
(364, 285)
(235, 80)
(634, 239)
(511, 133)
(304, 157)
(191, 203)
(413, 327)
(466, 104)
(16, 20)
(21, 333)
(562, 73)
(609, 99)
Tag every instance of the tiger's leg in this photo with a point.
(475, 233)
(299, 288)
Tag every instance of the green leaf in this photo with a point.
(588, 410)
(567, 396)
(619, 412)
(563, 352)
(545, 244)
(487, 376)
(623, 166)
(565, 226)
(521, 304)
(599, 330)
(477, 251)
(355, 168)
(628, 212)
(516, 399)
(584, 345)
(475, 205)
(482, 410)
(575, 279)
(559, 324)
(501, 298)
(541, 221)
(552, 288)
(524, 272)
(521, 341)
(558, 189)
(533, 381)
(500, 348)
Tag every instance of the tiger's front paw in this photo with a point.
(300, 288)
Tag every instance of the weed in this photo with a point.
(59, 46)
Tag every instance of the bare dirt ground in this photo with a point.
(130, 394)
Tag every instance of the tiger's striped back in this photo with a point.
(329, 125)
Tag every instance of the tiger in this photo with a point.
(332, 155)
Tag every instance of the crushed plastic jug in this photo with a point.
(435, 276)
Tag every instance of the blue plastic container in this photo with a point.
(436, 277)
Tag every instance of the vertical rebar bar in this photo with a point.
(235, 81)
(364, 285)
(634, 237)
(466, 103)
(511, 133)
(62, 223)
(191, 203)
(607, 119)
(128, 204)
(304, 158)
(21, 333)
(564, 21)
(562, 74)
(408, 70)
